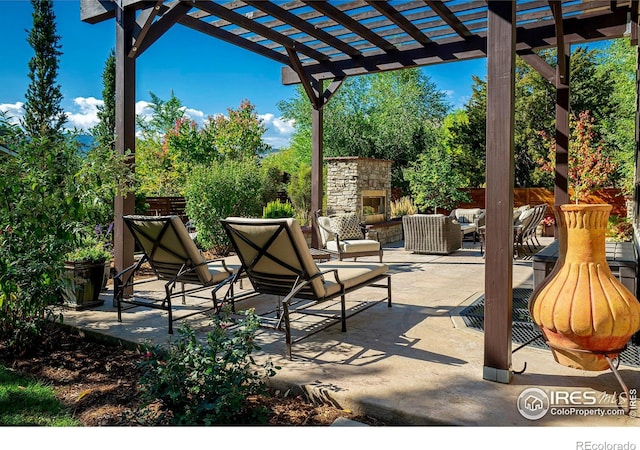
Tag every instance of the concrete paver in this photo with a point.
(412, 364)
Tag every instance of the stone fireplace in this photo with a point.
(360, 185)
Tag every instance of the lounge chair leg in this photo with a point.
(343, 303)
(287, 328)
(168, 289)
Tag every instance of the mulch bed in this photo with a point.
(98, 382)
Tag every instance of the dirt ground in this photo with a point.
(99, 383)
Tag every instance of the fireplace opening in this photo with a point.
(374, 205)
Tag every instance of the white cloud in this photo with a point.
(195, 115)
(279, 131)
(84, 114)
(15, 111)
(144, 109)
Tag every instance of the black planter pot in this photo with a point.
(85, 281)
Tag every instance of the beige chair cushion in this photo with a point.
(354, 245)
(325, 230)
(517, 212)
(282, 248)
(350, 274)
(179, 246)
(525, 217)
(466, 215)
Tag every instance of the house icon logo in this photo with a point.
(533, 403)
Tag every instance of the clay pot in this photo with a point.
(582, 309)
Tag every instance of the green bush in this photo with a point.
(222, 189)
(39, 205)
(200, 384)
(619, 229)
(277, 210)
(299, 191)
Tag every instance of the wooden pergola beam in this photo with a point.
(256, 27)
(231, 38)
(441, 9)
(152, 31)
(293, 20)
(400, 20)
(529, 37)
(346, 21)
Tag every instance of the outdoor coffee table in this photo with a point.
(320, 255)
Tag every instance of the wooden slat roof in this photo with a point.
(329, 39)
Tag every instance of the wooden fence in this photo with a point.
(536, 196)
(161, 206)
(167, 206)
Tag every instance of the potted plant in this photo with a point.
(548, 226)
(84, 273)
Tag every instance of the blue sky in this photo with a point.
(207, 75)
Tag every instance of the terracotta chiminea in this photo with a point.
(584, 312)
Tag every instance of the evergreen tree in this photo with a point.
(43, 114)
(104, 132)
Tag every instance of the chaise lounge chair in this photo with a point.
(277, 261)
(524, 228)
(174, 257)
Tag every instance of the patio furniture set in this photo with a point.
(272, 254)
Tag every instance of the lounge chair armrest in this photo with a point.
(220, 259)
(298, 287)
(131, 269)
(372, 234)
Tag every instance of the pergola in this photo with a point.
(321, 43)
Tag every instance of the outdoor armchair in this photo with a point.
(345, 237)
(278, 262)
(470, 220)
(174, 258)
(431, 234)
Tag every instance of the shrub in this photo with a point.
(208, 384)
(222, 189)
(299, 191)
(39, 205)
(402, 207)
(277, 210)
(619, 229)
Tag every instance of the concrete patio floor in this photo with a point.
(413, 364)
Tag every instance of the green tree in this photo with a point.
(104, 131)
(164, 115)
(590, 166)
(239, 135)
(434, 182)
(534, 112)
(156, 163)
(38, 211)
(617, 62)
(390, 115)
(43, 114)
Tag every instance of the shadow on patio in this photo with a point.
(413, 364)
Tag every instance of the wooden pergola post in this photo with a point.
(125, 129)
(317, 133)
(501, 39)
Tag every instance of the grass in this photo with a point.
(26, 402)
